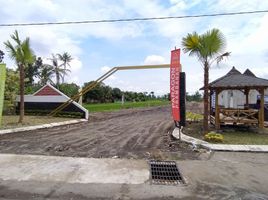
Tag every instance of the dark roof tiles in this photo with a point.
(249, 73)
(234, 79)
(233, 71)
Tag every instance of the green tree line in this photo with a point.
(106, 94)
(197, 96)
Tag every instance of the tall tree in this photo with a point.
(57, 69)
(45, 74)
(22, 53)
(33, 70)
(116, 94)
(66, 58)
(208, 48)
(1, 56)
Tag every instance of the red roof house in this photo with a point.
(48, 98)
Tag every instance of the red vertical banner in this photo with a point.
(175, 68)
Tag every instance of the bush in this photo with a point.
(214, 137)
(32, 88)
(193, 117)
(11, 91)
(69, 89)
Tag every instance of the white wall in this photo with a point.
(238, 99)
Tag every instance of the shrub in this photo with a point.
(193, 117)
(69, 89)
(214, 137)
(11, 90)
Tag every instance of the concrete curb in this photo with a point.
(42, 126)
(220, 147)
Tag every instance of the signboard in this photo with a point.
(175, 68)
(2, 88)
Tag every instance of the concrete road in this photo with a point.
(220, 175)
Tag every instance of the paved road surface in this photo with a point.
(222, 176)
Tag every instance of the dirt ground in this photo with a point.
(132, 133)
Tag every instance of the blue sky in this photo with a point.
(98, 47)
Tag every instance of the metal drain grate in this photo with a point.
(165, 172)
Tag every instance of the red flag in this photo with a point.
(175, 68)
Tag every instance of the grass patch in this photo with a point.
(230, 136)
(245, 137)
(101, 107)
(12, 121)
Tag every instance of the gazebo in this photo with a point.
(245, 82)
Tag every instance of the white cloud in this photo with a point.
(105, 69)
(166, 28)
(46, 10)
(46, 41)
(154, 59)
(76, 65)
(74, 79)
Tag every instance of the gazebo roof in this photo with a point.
(249, 73)
(235, 80)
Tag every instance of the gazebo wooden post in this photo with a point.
(247, 101)
(261, 120)
(210, 98)
(217, 114)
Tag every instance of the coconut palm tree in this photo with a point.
(45, 74)
(32, 70)
(208, 48)
(1, 56)
(22, 53)
(57, 69)
(66, 58)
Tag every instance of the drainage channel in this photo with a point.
(165, 173)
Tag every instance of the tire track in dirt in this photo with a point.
(133, 133)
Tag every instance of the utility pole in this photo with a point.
(123, 99)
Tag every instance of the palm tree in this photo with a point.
(57, 69)
(66, 59)
(33, 70)
(1, 56)
(208, 48)
(45, 74)
(23, 55)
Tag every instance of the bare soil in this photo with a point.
(133, 133)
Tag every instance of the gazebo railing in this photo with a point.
(238, 116)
